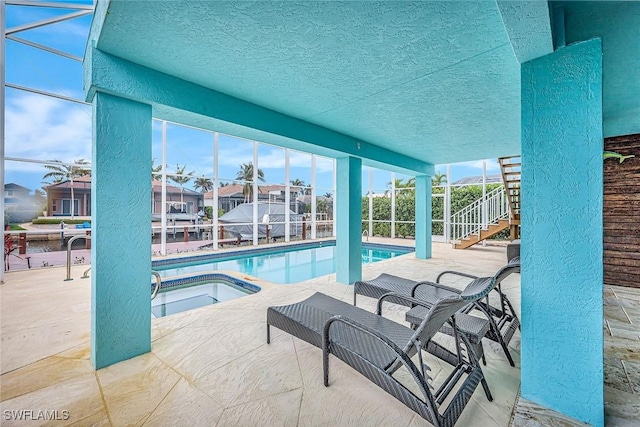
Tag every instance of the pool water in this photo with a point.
(194, 296)
(285, 267)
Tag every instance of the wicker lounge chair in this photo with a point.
(499, 325)
(376, 347)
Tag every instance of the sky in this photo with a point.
(39, 127)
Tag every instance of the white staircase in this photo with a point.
(481, 219)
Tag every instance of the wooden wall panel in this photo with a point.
(622, 213)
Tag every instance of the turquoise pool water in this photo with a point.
(284, 267)
(195, 295)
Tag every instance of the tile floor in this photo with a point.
(212, 366)
(621, 367)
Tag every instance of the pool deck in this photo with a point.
(212, 366)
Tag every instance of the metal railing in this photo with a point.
(154, 293)
(71, 240)
(480, 214)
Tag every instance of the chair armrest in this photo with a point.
(406, 298)
(457, 273)
(366, 330)
(435, 285)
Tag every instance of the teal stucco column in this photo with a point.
(423, 216)
(348, 220)
(562, 279)
(121, 220)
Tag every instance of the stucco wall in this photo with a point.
(562, 281)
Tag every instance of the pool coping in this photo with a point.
(178, 282)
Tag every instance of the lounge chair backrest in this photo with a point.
(478, 288)
(512, 266)
(438, 315)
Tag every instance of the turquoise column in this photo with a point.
(423, 216)
(121, 220)
(562, 279)
(349, 220)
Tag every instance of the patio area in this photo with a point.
(212, 366)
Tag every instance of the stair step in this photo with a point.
(492, 230)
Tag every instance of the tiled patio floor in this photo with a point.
(212, 366)
(621, 367)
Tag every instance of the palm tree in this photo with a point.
(410, 186)
(156, 171)
(301, 186)
(156, 175)
(60, 173)
(204, 184)
(328, 195)
(246, 174)
(181, 178)
(439, 179)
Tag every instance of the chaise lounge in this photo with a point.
(377, 347)
(498, 324)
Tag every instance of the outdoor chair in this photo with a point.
(499, 324)
(377, 347)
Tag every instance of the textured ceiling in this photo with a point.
(431, 80)
(618, 24)
(436, 81)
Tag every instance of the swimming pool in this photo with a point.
(187, 293)
(283, 265)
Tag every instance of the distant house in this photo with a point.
(19, 204)
(178, 199)
(59, 198)
(230, 196)
(15, 195)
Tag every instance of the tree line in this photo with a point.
(405, 209)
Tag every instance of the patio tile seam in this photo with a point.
(104, 400)
(44, 358)
(89, 417)
(146, 418)
(238, 357)
(481, 405)
(264, 398)
(295, 349)
(183, 376)
(45, 385)
(516, 402)
(301, 392)
(626, 373)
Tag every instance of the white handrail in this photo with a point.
(470, 219)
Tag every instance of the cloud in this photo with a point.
(44, 128)
(492, 165)
(73, 28)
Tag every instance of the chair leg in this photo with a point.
(506, 351)
(325, 365)
(485, 386)
(268, 334)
